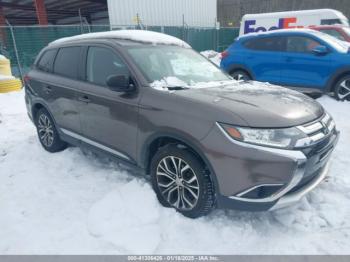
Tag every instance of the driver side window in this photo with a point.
(102, 63)
(301, 44)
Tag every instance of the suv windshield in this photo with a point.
(180, 66)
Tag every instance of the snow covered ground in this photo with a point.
(73, 202)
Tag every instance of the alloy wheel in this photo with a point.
(240, 76)
(178, 183)
(45, 130)
(344, 89)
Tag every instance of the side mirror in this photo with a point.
(320, 50)
(119, 83)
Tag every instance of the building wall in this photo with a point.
(230, 12)
(163, 12)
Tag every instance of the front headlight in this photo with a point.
(280, 138)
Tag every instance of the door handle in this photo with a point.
(47, 89)
(84, 99)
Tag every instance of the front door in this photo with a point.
(301, 67)
(108, 118)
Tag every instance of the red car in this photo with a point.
(338, 31)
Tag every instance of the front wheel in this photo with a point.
(240, 75)
(181, 181)
(342, 89)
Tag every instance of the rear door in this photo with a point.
(301, 67)
(264, 57)
(59, 87)
(108, 118)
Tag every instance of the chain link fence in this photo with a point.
(21, 44)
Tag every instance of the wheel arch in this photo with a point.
(159, 140)
(240, 67)
(336, 77)
(36, 106)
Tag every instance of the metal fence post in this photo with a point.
(183, 27)
(81, 22)
(217, 34)
(15, 48)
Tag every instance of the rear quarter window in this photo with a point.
(66, 62)
(46, 60)
(275, 43)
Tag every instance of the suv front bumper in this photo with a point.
(299, 193)
(291, 173)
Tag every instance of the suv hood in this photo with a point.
(258, 104)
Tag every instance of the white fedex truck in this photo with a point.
(253, 23)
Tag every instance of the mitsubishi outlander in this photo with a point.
(204, 139)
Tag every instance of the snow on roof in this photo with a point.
(292, 30)
(133, 35)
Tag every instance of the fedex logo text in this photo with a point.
(283, 23)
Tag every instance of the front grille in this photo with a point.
(318, 152)
(317, 130)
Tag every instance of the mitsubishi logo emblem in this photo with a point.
(325, 128)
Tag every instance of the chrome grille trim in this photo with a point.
(309, 129)
(316, 131)
(326, 119)
(317, 137)
(257, 186)
(331, 125)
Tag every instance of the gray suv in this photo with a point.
(205, 140)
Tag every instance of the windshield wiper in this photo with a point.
(174, 88)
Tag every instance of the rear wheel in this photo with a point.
(181, 181)
(47, 133)
(342, 89)
(240, 75)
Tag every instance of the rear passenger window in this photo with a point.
(266, 44)
(46, 60)
(301, 44)
(66, 62)
(102, 63)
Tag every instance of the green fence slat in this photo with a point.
(30, 40)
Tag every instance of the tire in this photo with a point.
(191, 191)
(342, 89)
(241, 75)
(47, 132)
